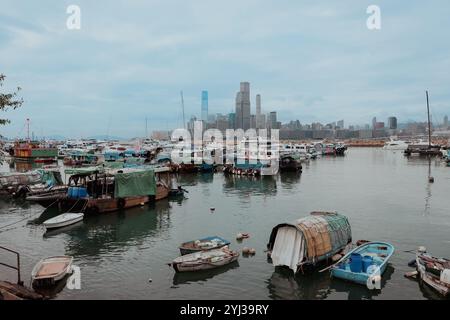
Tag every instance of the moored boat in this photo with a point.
(365, 264)
(63, 220)
(309, 241)
(434, 272)
(50, 270)
(290, 163)
(204, 260)
(208, 243)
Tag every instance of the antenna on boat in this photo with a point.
(429, 123)
(182, 106)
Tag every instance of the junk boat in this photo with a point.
(205, 244)
(93, 190)
(309, 241)
(364, 264)
(204, 260)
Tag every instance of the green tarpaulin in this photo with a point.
(141, 183)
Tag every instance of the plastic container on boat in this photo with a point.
(76, 192)
(367, 261)
(356, 262)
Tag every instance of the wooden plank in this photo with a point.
(11, 289)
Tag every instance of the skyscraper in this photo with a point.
(340, 124)
(374, 122)
(258, 112)
(273, 120)
(392, 123)
(446, 121)
(243, 107)
(205, 106)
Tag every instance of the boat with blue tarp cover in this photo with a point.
(208, 243)
(364, 264)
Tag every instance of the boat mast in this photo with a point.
(429, 124)
(182, 106)
(28, 130)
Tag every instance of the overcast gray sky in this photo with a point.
(309, 60)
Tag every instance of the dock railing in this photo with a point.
(19, 281)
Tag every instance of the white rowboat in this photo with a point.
(49, 270)
(63, 220)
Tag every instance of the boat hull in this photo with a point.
(59, 223)
(381, 253)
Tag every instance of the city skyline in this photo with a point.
(312, 62)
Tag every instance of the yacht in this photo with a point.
(396, 145)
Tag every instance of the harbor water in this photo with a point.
(124, 255)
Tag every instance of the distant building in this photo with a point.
(272, 121)
(259, 124)
(378, 125)
(205, 106)
(340, 124)
(446, 122)
(243, 107)
(232, 120)
(392, 123)
(253, 121)
(374, 122)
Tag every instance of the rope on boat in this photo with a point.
(28, 217)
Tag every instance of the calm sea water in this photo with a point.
(385, 195)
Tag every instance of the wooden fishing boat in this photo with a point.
(364, 264)
(290, 163)
(208, 243)
(63, 220)
(204, 260)
(435, 272)
(50, 270)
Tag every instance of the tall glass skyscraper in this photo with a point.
(205, 106)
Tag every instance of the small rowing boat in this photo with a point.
(364, 264)
(63, 220)
(49, 270)
(204, 260)
(208, 243)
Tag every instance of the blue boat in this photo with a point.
(205, 244)
(365, 264)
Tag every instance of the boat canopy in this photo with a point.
(138, 183)
(309, 240)
(84, 171)
(51, 177)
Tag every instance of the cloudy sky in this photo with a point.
(310, 60)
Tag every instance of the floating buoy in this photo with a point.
(246, 250)
(239, 236)
(212, 209)
(252, 251)
(150, 280)
(431, 179)
(142, 203)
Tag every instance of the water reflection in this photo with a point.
(188, 277)
(245, 186)
(117, 232)
(359, 292)
(283, 284)
(289, 180)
